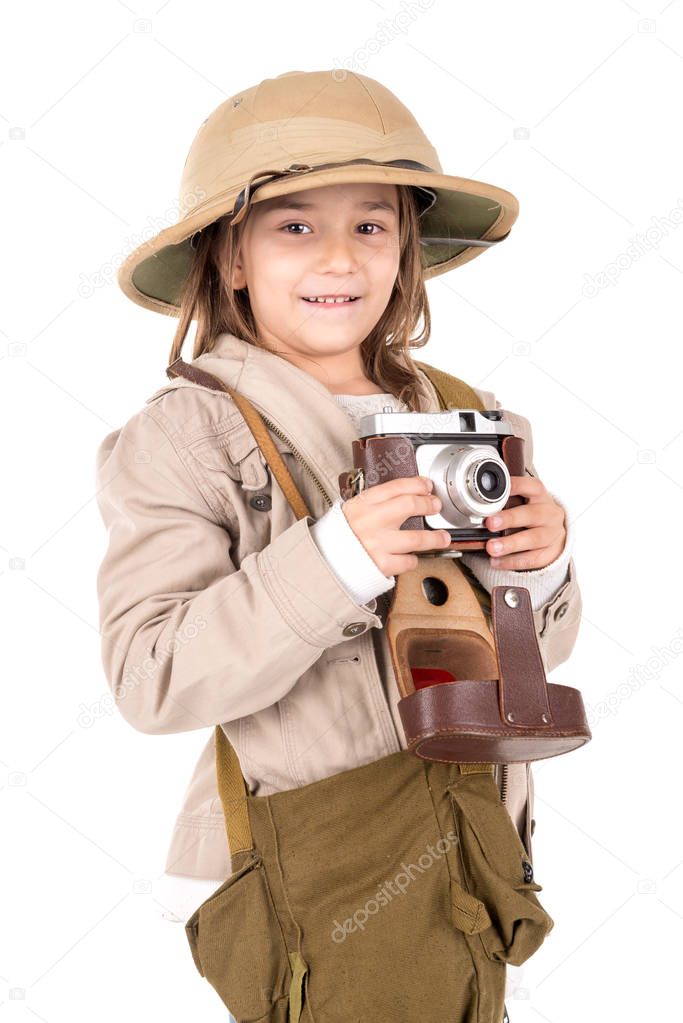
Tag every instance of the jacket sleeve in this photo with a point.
(558, 617)
(542, 583)
(347, 557)
(188, 639)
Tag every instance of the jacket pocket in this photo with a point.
(238, 946)
(498, 900)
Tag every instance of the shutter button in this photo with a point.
(562, 610)
(353, 629)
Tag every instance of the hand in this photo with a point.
(377, 513)
(542, 539)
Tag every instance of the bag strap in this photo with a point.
(232, 787)
(452, 392)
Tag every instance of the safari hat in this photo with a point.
(306, 129)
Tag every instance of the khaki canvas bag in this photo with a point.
(395, 891)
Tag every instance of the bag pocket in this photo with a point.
(238, 946)
(499, 897)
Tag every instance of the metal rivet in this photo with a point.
(562, 610)
(510, 716)
(511, 598)
(353, 629)
(261, 502)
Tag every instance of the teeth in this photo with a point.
(330, 300)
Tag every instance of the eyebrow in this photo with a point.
(285, 203)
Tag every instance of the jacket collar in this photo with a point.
(301, 407)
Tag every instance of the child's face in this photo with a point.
(337, 245)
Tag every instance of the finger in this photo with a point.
(526, 540)
(400, 541)
(394, 512)
(538, 514)
(527, 486)
(401, 563)
(379, 517)
(526, 561)
(392, 488)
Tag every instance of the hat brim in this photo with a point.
(154, 273)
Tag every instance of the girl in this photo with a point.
(313, 211)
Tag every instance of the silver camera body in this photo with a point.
(460, 450)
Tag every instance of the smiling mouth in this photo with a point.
(336, 300)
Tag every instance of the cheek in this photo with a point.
(384, 272)
(386, 261)
(274, 280)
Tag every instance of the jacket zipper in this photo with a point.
(299, 456)
(503, 782)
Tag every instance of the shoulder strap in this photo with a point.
(233, 791)
(255, 424)
(232, 787)
(451, 391)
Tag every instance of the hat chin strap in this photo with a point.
(427, 196)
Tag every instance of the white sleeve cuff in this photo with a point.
(542, 583)
(346, 556)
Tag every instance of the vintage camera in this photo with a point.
(469, 454)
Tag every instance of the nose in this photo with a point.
(337, 253)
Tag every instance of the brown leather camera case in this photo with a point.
(386, 458)
(499, 708)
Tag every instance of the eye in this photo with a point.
(373, 225)
(295, 223)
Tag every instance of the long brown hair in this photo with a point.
(218, 308)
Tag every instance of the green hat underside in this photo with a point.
(454, 215)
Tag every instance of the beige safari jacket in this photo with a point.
(215, 607)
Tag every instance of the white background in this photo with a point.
(574, 108)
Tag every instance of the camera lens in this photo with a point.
(477, 482)
(489, 481)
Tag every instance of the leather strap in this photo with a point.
(524, 704)
(257, 427)
(426, 196)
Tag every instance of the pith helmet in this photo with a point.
(305, 129)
